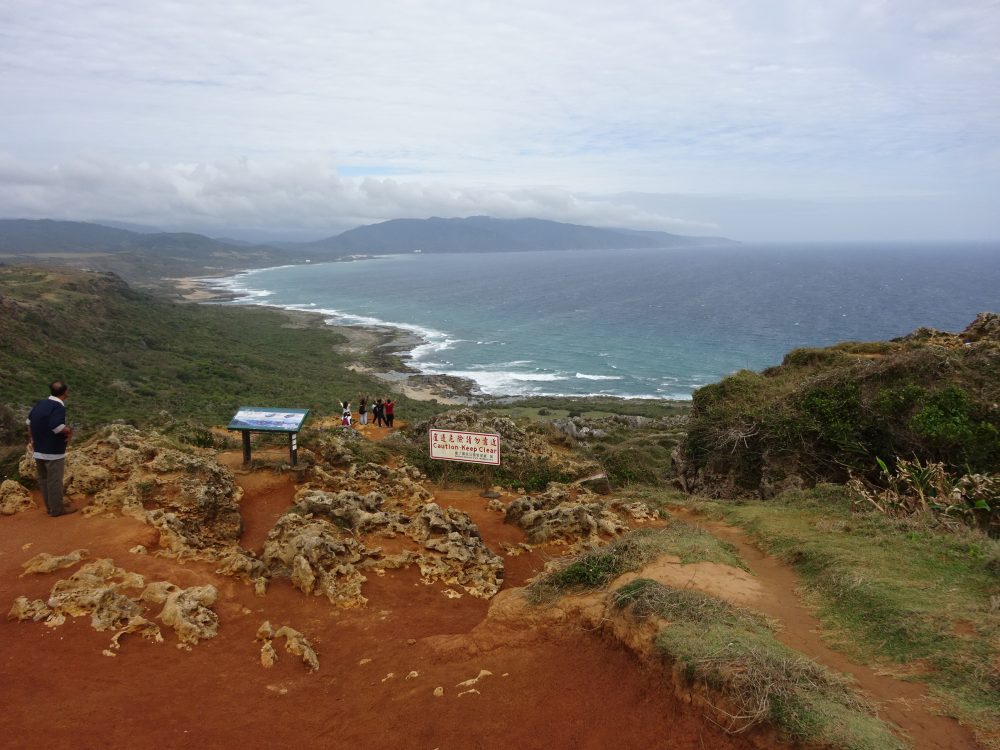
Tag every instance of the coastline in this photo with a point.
(380, 351)
(373, 350)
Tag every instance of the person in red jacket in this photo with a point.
(390, 407)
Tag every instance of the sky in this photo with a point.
(760, 120)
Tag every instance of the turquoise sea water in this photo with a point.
(639, 323)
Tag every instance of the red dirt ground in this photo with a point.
(554, 689)
(558, 689)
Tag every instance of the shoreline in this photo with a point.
(384, 345)
(379, 350)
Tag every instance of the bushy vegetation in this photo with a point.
(827, 413)
(913, 487)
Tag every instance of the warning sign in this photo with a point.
(471, 447)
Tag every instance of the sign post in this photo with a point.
(467, 447)
(265, 419)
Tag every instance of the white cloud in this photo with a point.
(491, 106)
(309, 195)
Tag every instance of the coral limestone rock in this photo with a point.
(191, 499)
(23, 609)
(316, 558)
(14, 498)
(555, 515)
(465, 559)
(43, 562)
(188, 612)
(298, 644)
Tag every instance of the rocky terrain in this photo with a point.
(349, 590)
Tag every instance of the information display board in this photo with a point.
(470, 447)
(257, 418)
(260, 419)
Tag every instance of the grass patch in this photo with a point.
(894, 590)
(597, 568)
(551, 408)
(733, 651)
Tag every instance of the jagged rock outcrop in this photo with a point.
(14, 498)
(327, 542)
(558, 514)
(350, 510)
(99, 589)
(188, 611)
(465, 559)
(402, 485)
(295, 643)
(318, 557)
(187, 495)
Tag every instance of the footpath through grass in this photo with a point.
(728, 652)
(895, 592)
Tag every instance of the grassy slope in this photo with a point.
(893, 592)
(128, 355)
(727, 649)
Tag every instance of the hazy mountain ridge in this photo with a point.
(150, 257)
(487, 234)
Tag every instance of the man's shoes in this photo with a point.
(66, 512)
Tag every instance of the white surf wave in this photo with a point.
(585, 376)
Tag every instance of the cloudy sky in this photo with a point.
(755, 119)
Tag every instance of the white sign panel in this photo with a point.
(471, 447)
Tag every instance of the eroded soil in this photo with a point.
(379, 665)
(418, 667)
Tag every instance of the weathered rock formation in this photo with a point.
(464, 558)
(185, 493)
(559, 513)
(14, 498)
(99, 589)
(327, 541)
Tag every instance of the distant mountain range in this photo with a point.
(149, 255)
(485, 234)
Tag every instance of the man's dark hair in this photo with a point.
(58, 388)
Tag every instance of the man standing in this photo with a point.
(48, 435)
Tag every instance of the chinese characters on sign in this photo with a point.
(472, 447)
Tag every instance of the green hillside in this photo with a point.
(824, 414)
(131, 356)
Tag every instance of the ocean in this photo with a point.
(636, 323)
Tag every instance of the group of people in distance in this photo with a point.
(381, 411)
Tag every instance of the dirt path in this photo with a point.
(378, 666)
(905, 704)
